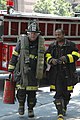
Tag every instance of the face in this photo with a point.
(59, 35)
(32, 36)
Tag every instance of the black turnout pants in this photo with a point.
(61, 87)
(31, 97)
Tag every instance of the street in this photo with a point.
(45, 108)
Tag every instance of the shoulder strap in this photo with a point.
(40, 60)
(24, 54)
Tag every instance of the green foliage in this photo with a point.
(77, 8)
(2, 4)
(56, 7)
(43, 6)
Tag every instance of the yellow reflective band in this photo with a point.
(71, 60)
(76, 53)
(15, 53)
(31, 88)
(48, 59)
(52, 87)
(11, 67)
(48, 55)
(32, 56)
(27, 88)
(69, 88)
(60, 116)
(19, 86)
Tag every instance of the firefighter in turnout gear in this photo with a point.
(27, 62)
(61, 55)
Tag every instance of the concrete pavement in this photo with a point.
(45, 109)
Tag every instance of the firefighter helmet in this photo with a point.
(33, 27)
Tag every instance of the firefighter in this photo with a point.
(61, 55)
(27, 77)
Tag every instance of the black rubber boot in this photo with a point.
(59, 103)
(21, 96)
(64, 112)
(30, 113)
(60, 117)
(65, 107)
(21, 109)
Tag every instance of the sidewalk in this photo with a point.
(45, 108)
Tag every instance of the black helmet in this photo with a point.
(33, 27)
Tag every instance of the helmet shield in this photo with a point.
(33, 27)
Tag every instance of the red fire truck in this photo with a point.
(11, 26)
(14, 23)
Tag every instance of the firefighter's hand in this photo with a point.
(54, 61)
(62, 59)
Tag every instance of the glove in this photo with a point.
(54, 61)
(62, 60)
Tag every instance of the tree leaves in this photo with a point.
(2, 4)
(56, 7)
